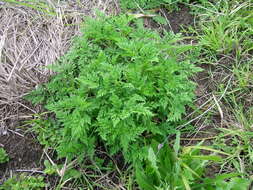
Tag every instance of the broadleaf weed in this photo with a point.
(118, 83)
(185, 170)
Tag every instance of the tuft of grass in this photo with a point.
(148, 4)
(236, 139)
(37, 5)
(225, 27)
(243, 78)
(224, 31)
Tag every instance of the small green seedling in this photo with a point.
(3, 156)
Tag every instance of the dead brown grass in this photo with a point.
(31, 40)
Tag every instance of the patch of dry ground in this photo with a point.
(31, 40)
(24, 154)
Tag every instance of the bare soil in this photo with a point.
(177, 19)
(24, 154)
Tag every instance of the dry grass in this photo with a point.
(29, 41)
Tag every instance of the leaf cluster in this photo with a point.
(119, 85)
(177, 168)
(24, 183)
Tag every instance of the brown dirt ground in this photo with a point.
(177, 19)
(24, 154)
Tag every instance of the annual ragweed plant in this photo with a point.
(120, 86)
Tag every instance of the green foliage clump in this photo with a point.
(3, 156)
(24, 183)
(147, 4)
(120, 85)
(184, 168)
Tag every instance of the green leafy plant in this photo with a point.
(231, 181)
(3, 156)
(24, 183)
(120, 85)
(183, 168)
